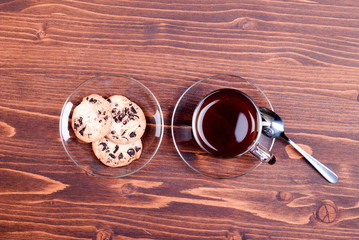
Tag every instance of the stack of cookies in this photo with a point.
(114, 126)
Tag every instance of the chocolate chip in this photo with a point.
(120, 156)
(131, 152)
(76, 126)
(124, 132)
(87, 98)
(99, 112)
(106, 117)
(92, 100)
(132, 134)
(82, 131)
(108, 100)
(113, 110)
(137, 149)
(80, 120)
(133, 110)
(116, 105)
(100, 121)
(120, 117)
(116, 149)
(104, 145)
(112, 156)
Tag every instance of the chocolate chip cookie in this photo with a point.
(116, 155)
(91, 119)
(128, 120)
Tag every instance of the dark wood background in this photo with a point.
(303, 53)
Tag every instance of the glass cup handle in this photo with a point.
(260, 152)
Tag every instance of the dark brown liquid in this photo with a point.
(225, 123)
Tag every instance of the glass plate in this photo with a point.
(107, 85)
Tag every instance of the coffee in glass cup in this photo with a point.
(227, 123)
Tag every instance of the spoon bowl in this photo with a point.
(273, 125)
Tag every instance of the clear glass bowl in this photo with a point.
(183, 138)
(107, 85)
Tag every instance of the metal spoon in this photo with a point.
(273, 127)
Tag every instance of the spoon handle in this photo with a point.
(321, 168)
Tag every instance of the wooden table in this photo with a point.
(304, 54)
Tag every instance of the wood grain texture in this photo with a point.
(303, 53)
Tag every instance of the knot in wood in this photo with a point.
(285, 197)
(103, 234)
(247, 24)
(128, 189)
(327, 212)
(233, 234)
(41, 33)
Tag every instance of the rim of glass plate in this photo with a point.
(161, 123)
(175, 110)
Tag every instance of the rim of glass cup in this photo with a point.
(173, 116)
(161, 123)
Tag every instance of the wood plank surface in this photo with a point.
(304, 54)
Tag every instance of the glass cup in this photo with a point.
(228, 123)
(189, 144)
